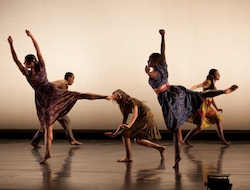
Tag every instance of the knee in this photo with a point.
(138, 141)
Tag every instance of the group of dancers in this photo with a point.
(179, 105)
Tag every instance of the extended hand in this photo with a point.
(147, 69)
(220, 110)
(10, 40)
(110, 134)
(162, 31)
(28, 32)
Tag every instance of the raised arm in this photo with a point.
(162, 32)
(18, 63)
(38, 51)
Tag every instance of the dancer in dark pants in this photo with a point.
(64, 121)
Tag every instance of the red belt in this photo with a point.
(162, 88)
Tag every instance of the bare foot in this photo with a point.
(110, 134)
(231, 89)
(125, 160)
(177, 160)
(161, 150)
(225, 143)
(75, 142)
(35, 145)
(187, 144)
(45, 159)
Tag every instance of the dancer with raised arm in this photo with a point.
(207, 115)
(52, 103)
(178, 103)
(142, 126)
(65, 122)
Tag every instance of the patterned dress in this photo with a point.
(145, 117)
(206, 115)
(178, 103)
(51, 102)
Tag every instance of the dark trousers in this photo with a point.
(65, 123)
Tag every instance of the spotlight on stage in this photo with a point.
(218, 182)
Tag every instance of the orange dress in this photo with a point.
(206, 115)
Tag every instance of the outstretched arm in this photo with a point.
(205, 84)
(196, 86)
(162, 32)
(18, 63)
(123, 126)
(38, 51)
(90, 96)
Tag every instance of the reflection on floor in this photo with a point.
(93, 165)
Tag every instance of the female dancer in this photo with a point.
(52, 103)
(141, 127)
(178, 103)
(206, 115)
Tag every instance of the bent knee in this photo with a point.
(138, 141)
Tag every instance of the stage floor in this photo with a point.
(93, 166)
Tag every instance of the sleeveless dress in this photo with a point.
(51, 102)
(206, 115)
(145, 117)
(178, 103)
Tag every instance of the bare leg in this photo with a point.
(231, 89)
(48, 137)
(150, 144)
(213, 93)
(191, 134)
(91, 96)
(221, 134)
(177, 137)
(127, 144)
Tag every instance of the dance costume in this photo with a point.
(206, 115)
(178, 103)
(51, 102)
(145, 117)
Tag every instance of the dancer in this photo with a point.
(142, 126)
(178, 103)
(51, 102)
(206, 115)
(64, 121)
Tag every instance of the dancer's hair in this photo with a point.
(30, 58)
(123, 101)
(210, 77)
(67, 75)
(156, 57)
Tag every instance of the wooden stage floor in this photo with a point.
(93, 166)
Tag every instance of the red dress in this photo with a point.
(51, 102)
